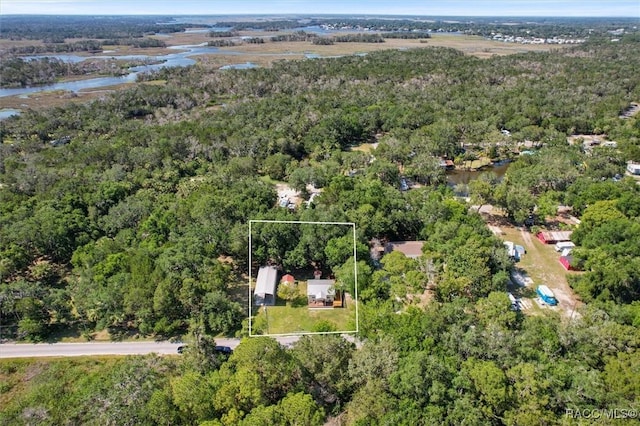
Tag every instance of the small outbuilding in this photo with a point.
(264, 293)
(287, 279)
(567, 262)
(552, 237)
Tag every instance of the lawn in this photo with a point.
(298, 318)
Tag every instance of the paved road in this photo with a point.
(26, 350)
(23, 350)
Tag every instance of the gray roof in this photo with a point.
(266, 281)
(411, 249)
(320, 288)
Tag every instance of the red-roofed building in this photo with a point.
(288, 279)
(567, 263)
(553, 237)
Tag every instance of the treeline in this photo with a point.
(295, 36)
(358, 38)
(17, 72)
(223, 34)
(57, 30)
(85, 46)
(224, 43)
(266, 25)
(406, 35)
(77, 46)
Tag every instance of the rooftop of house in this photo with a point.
(287, 278)
(410, 249)
(320, 288)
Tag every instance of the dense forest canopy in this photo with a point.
(18, 27)
(130, 213)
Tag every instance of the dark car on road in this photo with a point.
(223, 350)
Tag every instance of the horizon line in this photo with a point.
(324, 14)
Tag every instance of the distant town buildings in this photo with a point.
(535, 40)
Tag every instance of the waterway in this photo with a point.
(6, 113)
(463, 177)
(179, 59)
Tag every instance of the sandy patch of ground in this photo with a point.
(526, 237)
(287, 195)
(495, 229)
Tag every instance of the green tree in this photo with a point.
(325, 359)
(288, 291)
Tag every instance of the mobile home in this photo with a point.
(563, 245)
(546, 295)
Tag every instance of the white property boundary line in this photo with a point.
(355, 276)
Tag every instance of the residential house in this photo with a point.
(322, 294)
(411, 249)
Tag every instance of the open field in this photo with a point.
(471, 45)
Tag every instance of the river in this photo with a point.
(179, 59)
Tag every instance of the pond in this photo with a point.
(6, 113)
(463, 177)
(245, 66)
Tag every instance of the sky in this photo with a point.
(559, 8)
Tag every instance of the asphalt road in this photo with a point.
(27, 350)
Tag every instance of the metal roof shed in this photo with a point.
(264, 293)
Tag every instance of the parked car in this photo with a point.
(223, 350)
(403, 184)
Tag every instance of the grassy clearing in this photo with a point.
(22, 378)
(289, 319)
(270, 181)
(365, 147)
(298, 318)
